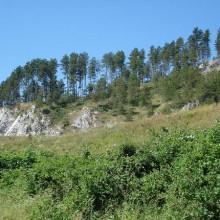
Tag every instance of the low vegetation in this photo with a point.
(175, 174)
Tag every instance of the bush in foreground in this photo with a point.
(176, 176)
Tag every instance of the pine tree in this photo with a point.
(193, 56)
(195, 45)
(166, 59)
(155, 57)
(83, 69)
(179, 47)
(94, 69)
(217, 43)
(109, 64)
(136, 63)
(133, 61)
(52, 78)
(205, 46)
(119, 60)
(73, 71)
(65, 65)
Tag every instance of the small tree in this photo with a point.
(101, 91)
(145, 96)
(119, 93)
(133, 89)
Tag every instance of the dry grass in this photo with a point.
(100, 140)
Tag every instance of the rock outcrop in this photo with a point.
(29, 122)
(212, 65)
(191, 105)
(6, 120)
(85, 120)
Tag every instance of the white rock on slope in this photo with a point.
(191, 105)
(6, 120)
(86, 119)
(27, 123)
(212, 65)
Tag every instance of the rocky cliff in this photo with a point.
(86, 119)
(23, 123)
(15, 122)
(212, 66)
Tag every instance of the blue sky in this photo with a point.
(50, 28)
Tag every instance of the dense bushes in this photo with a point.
(189, 85)
(15, 161)
(176, 175)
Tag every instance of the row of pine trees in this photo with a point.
(89, 77)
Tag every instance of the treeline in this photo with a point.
(115, 76)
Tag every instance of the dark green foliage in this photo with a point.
(119, 93)
(101, 90)
(133, 89)
(128, 150)
(217, 44)
(211, 88)
(145, 96)
(109, 65)
(175, 65)
(94, 68)
(181, 86)
(46, 111)
(65, 65)
(136, 63)
(14, 161)
(119, 60)
(189, 85)
(65, 100)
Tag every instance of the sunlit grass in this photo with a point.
(100, 140)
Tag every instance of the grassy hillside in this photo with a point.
(100, 140)
(148, 168)
(173, 175)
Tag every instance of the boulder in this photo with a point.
(191, 105)
(85, 120)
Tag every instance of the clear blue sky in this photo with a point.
(50, 28)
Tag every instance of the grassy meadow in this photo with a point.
(104, 173)
(100, 140)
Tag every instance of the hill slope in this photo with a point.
(104, 138)
(171, 175)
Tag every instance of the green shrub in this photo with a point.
(46, 111)
(128, 150)
(176, 175)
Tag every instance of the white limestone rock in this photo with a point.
(191, 105)
(30, 122)
(6, 120)
(85, 120)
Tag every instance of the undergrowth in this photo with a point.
(176, 175)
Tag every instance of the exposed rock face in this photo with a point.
(15, 123)
(212, 65)
(85, 120)
(6, 120)
(191, 105)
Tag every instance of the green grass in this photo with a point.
(174, 175)
(93, 153)
(100, 140)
